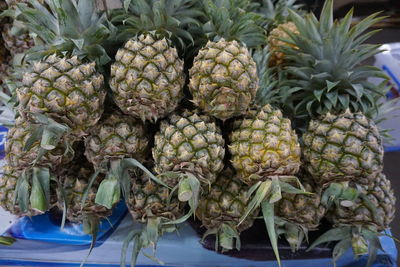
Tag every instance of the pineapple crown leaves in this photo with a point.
(268, 78)
(325, 65)
(229, 20)
(361, 239)
(71, 27)
(172, 19)
(274, 12)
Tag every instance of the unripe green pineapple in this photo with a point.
(65, 89)
(147, 77)
(189, 142)
(117, 136)
(19, 156)
(223, 207)
(377, 211)
(343, 147)
(223, 79)
(275, 44)
(264, 144)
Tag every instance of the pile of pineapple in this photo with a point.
(220, 110)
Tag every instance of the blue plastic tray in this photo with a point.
(42, 228)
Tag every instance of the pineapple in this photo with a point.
(75, 182)
(376, 210)
(8, 186)
(266, 154)
(115, 137)
(300, 213)
(189, 142)
(66, 89)
(64, 83)
(275, 42)
(147, 77)
(324, 68)
(21, 153)
(343, 147)
(223, 78)
(358, 224)
(151, 204)
(221, 209)
(264, 144)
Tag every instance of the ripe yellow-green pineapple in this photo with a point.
(188, 154)
(189, 142)
(275, 43)
(221, 209)
(264, 144)
(343, 147)
(115, 137)
(65, 89)
(266, 154)
(147, 77)
(223, 78)
(64, 83)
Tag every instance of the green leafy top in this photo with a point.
(229, 19)
(324, 66)
(71, 27)
(172, 19)
(274, 12)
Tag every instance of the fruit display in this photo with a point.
(220, 112)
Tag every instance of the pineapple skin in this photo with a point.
(380, 194)
(263, 143)
(75, 182)
(65, 89)
(189, 142)
(116, 136)
(225, 203)
(343, 147)
(18, 157)
(301, 209)
(147, 78)
(277, 56)
(223, 79)
(148, 198)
